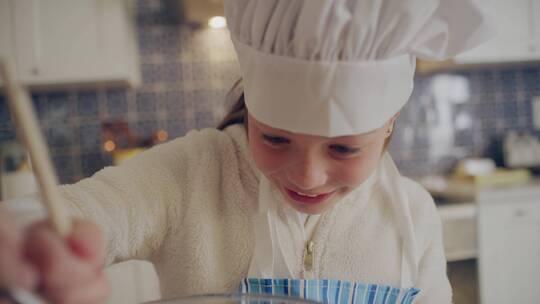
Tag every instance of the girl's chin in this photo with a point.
(310, 209)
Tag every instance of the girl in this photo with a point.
(295, 193)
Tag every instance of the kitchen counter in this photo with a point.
(459, 219)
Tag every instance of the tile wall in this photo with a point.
(430, 137)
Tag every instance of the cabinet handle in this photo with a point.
(519, 213)
(35, 71)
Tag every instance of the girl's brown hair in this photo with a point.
(238, 112)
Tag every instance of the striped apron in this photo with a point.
(330, 291)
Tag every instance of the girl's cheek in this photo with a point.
(351, 174)
(356, 171)
(267, 160)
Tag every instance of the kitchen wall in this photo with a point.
(462, 114)
(186, 75)
(187, 72)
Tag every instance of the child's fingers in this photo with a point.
(8, 266)
(58, 267)
(70, 269)
(26, 277)
(8, 231)
(14, 271)
(87, 243)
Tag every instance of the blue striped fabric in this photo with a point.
(331, 291)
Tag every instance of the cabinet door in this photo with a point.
(514, 42)
(535, 25)
(65, 41)
(6, 42)
(509, 251)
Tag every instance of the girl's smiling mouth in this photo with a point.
(308, 198)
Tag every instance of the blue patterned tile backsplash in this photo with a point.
(187, 72)
(463, 114)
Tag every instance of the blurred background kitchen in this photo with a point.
(110, 78)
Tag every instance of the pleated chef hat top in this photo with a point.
(342, 67)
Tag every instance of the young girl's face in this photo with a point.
(313, 172)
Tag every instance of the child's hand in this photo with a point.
(15, 271)
(60, 270)
(70, 270)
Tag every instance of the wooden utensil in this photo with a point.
(27, 124)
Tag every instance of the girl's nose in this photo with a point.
(307, 175)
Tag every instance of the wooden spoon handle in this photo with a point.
(27, 124)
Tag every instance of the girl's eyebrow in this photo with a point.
(353, 138)
(273, 134)
(363, 135)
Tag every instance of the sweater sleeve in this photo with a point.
(432, 278)
(136, 203)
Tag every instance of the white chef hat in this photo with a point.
(342, 67)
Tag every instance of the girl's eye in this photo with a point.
(275, 140)
(344, 150)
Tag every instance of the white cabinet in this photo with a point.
(59, 42)
(518, 34)
(6, 44)
(509, 245)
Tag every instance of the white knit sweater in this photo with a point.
(187, 206)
